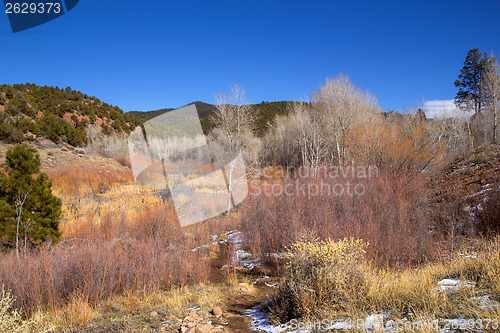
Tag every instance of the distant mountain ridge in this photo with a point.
(265, 113)
(205, 110)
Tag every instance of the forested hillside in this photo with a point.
(28, 111)
(263, 113)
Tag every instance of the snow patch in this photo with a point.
(453, 285)
(261, 321)
(485, 303)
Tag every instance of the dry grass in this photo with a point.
(409, 293)
(320, 276)
(131, 311)
(11, 319)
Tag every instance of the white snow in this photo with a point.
(485, 303)
(473, 255)
(261, 322)
(375, 322)
(453, 285)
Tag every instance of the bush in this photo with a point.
(11, 321)
(320, 275)
(100, 261)
(391, 215)
(9, 134)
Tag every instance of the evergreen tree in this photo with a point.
(29, 212)
(471, 93)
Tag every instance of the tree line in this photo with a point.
(343, 124)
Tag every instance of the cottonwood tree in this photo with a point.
(234, 123)
(492, 87)
(451, 131)
(233, 117)
(282, 144)
(298, 139)
(316, 133)
(341, 106)
(29, 209)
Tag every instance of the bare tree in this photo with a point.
(234, 123)
(233, 116)
(315, 133)
(341, 105)
(110, 146)
(19, 203)
(492, 87)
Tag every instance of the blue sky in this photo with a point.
(144, 55)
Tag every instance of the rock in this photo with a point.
(244, 290)
(203, 329)
(153, 314)
(217, 311)
(191, 325)
(202, 313)
(192, 316)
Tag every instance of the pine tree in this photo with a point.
(29, 212)
(471, 93)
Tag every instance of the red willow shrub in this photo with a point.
(388, 211)
(99, 261)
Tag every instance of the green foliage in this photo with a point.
(9, 133)
(21, 161)
(59, 130)
(266, 112)
(263, 113)
(41, 111)
(41, 210)
(471, 80)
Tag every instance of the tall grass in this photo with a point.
(320, 275)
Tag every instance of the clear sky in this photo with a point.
(144, 55)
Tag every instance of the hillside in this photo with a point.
(264, 112)
(54, 157)
(205, 110)
(469, 175)
(467, 192)
(28, 112)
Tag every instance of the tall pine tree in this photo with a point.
(471, 93)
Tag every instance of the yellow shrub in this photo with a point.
(321, 276)
(11, 321)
